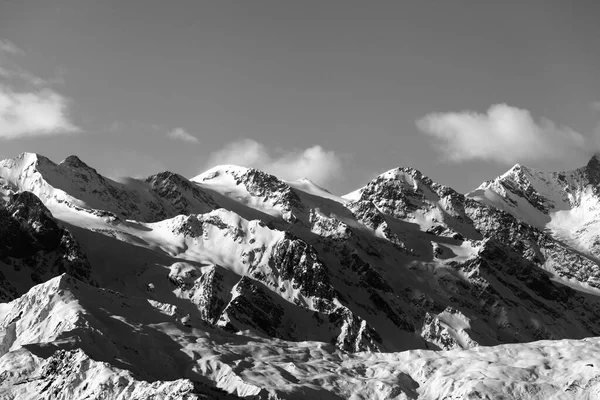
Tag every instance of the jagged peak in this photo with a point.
(397, 175)
(518, 173)
(73, 161)
(243, 175)
(408, 175)
(402, 171)
(165, 175)
(594, 162)
(517, 169)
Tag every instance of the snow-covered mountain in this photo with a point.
(74, 184)
(565, 205)
(237, 283)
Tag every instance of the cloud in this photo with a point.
(181, 134)
(595, 105)
(314, 162)
(506, 135)
(9, 47)
(34, 109)
(33, 114)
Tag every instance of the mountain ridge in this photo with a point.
(402, 263)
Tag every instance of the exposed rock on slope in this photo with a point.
(34, 248)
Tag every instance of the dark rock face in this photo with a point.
(212, 292)
(32, 240)
(27, 227)
(592, 170)
(253, 307)
(269, 188)
(299, 264)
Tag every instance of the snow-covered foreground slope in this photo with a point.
(238, 282)
(67, 340)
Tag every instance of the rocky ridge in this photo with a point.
(402, 263)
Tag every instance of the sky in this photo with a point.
(334, 90)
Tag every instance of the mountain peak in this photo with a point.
(592, 169)
(74, 161)
(24, 161)
(519, 168)
(594, 161)
(33, 158)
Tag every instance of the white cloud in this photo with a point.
(34, 110)
(9, 47)
(181, 134)
(595, 105)
(314, 162)
(33, 114)
(505, 134)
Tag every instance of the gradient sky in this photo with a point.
(350, 76)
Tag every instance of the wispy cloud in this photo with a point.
(9, 47)
(314, 162)
(182, 134)
(33, 114)
(504, 134)
(26, 76)
(595, 105)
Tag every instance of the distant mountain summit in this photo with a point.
(566, 203)
(224, 275)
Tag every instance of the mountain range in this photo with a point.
(238, 284)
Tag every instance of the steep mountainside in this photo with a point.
(267, 270)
